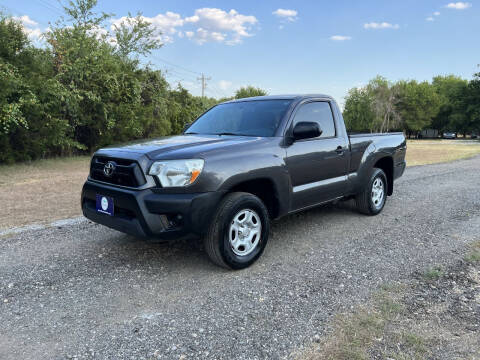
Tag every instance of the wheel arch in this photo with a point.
(386, 164)
(266, 189)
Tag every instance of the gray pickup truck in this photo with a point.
(238, 166)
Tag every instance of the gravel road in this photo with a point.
(84, 291)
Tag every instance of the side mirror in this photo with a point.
(306, 130)
(186, 126)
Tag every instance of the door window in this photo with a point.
(319, 112)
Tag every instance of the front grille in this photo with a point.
(126, 172)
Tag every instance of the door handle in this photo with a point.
(339, 150)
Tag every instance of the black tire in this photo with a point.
(364, 201)
(216, 241)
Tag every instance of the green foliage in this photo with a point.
(417, 105)
(86, 89)
(451, 91)
(135, 35)
(372, 107)
(448, 103)
(82, 13)
(249, 91)
(359, 114)
(385, 99)
(12, 38)
(472, 101)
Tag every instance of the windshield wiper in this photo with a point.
(232, 134)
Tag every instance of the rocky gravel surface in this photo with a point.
(84, 291)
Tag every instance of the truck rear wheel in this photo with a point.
(372, 200)
(239, 231)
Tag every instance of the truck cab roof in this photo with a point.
(298, 97)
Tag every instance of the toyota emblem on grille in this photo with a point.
(109, 168)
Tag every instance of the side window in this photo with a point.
(319, 112)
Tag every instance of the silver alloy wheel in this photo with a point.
(378, 191)
(245, 232)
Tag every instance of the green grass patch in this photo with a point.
(433, 274)
(473, 257)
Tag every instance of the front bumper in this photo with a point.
(149, 214)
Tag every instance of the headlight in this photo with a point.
(177, 172)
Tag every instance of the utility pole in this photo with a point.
(204, 79)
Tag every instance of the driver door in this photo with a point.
(317, 166)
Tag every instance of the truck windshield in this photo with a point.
(247, 118)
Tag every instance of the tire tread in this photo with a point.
(211, 238)
(362, 199)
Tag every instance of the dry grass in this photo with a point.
(41, 191)
(355, 333)
(423, 152)
(48, 190)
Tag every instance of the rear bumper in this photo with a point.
(147, 214)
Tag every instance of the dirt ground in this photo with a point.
(85, 291)
(434, 316)
(48, 190)
(42, 191)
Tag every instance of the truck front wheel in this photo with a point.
(372, 200)
(239, 231)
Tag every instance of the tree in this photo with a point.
(359, 114)
(105, 86)
(472, 102)
(385, 98)
(82, 13)
(134, 35)
(249, 91)
(30, 125)
(372, 107)
(451, 91)
(418, 104)
(86, 88)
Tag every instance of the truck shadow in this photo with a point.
(184, 254)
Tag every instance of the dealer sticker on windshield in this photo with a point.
(104, 204)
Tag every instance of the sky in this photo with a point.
(290, 46)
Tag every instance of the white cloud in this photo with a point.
(459, 5)
(205, 25)
(382, 25)
(221, 26)
(286, 14)
(25, 20)
(202, 36)
(166, 24)
(432, 17)
(224, 84)
(30, 27)
(340, 38)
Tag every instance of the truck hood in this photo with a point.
(181, 146)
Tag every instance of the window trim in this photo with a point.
(289, 127)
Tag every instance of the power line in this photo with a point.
(175, 65)
(49, 6)
(177, 73)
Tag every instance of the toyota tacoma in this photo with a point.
(238, 166)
